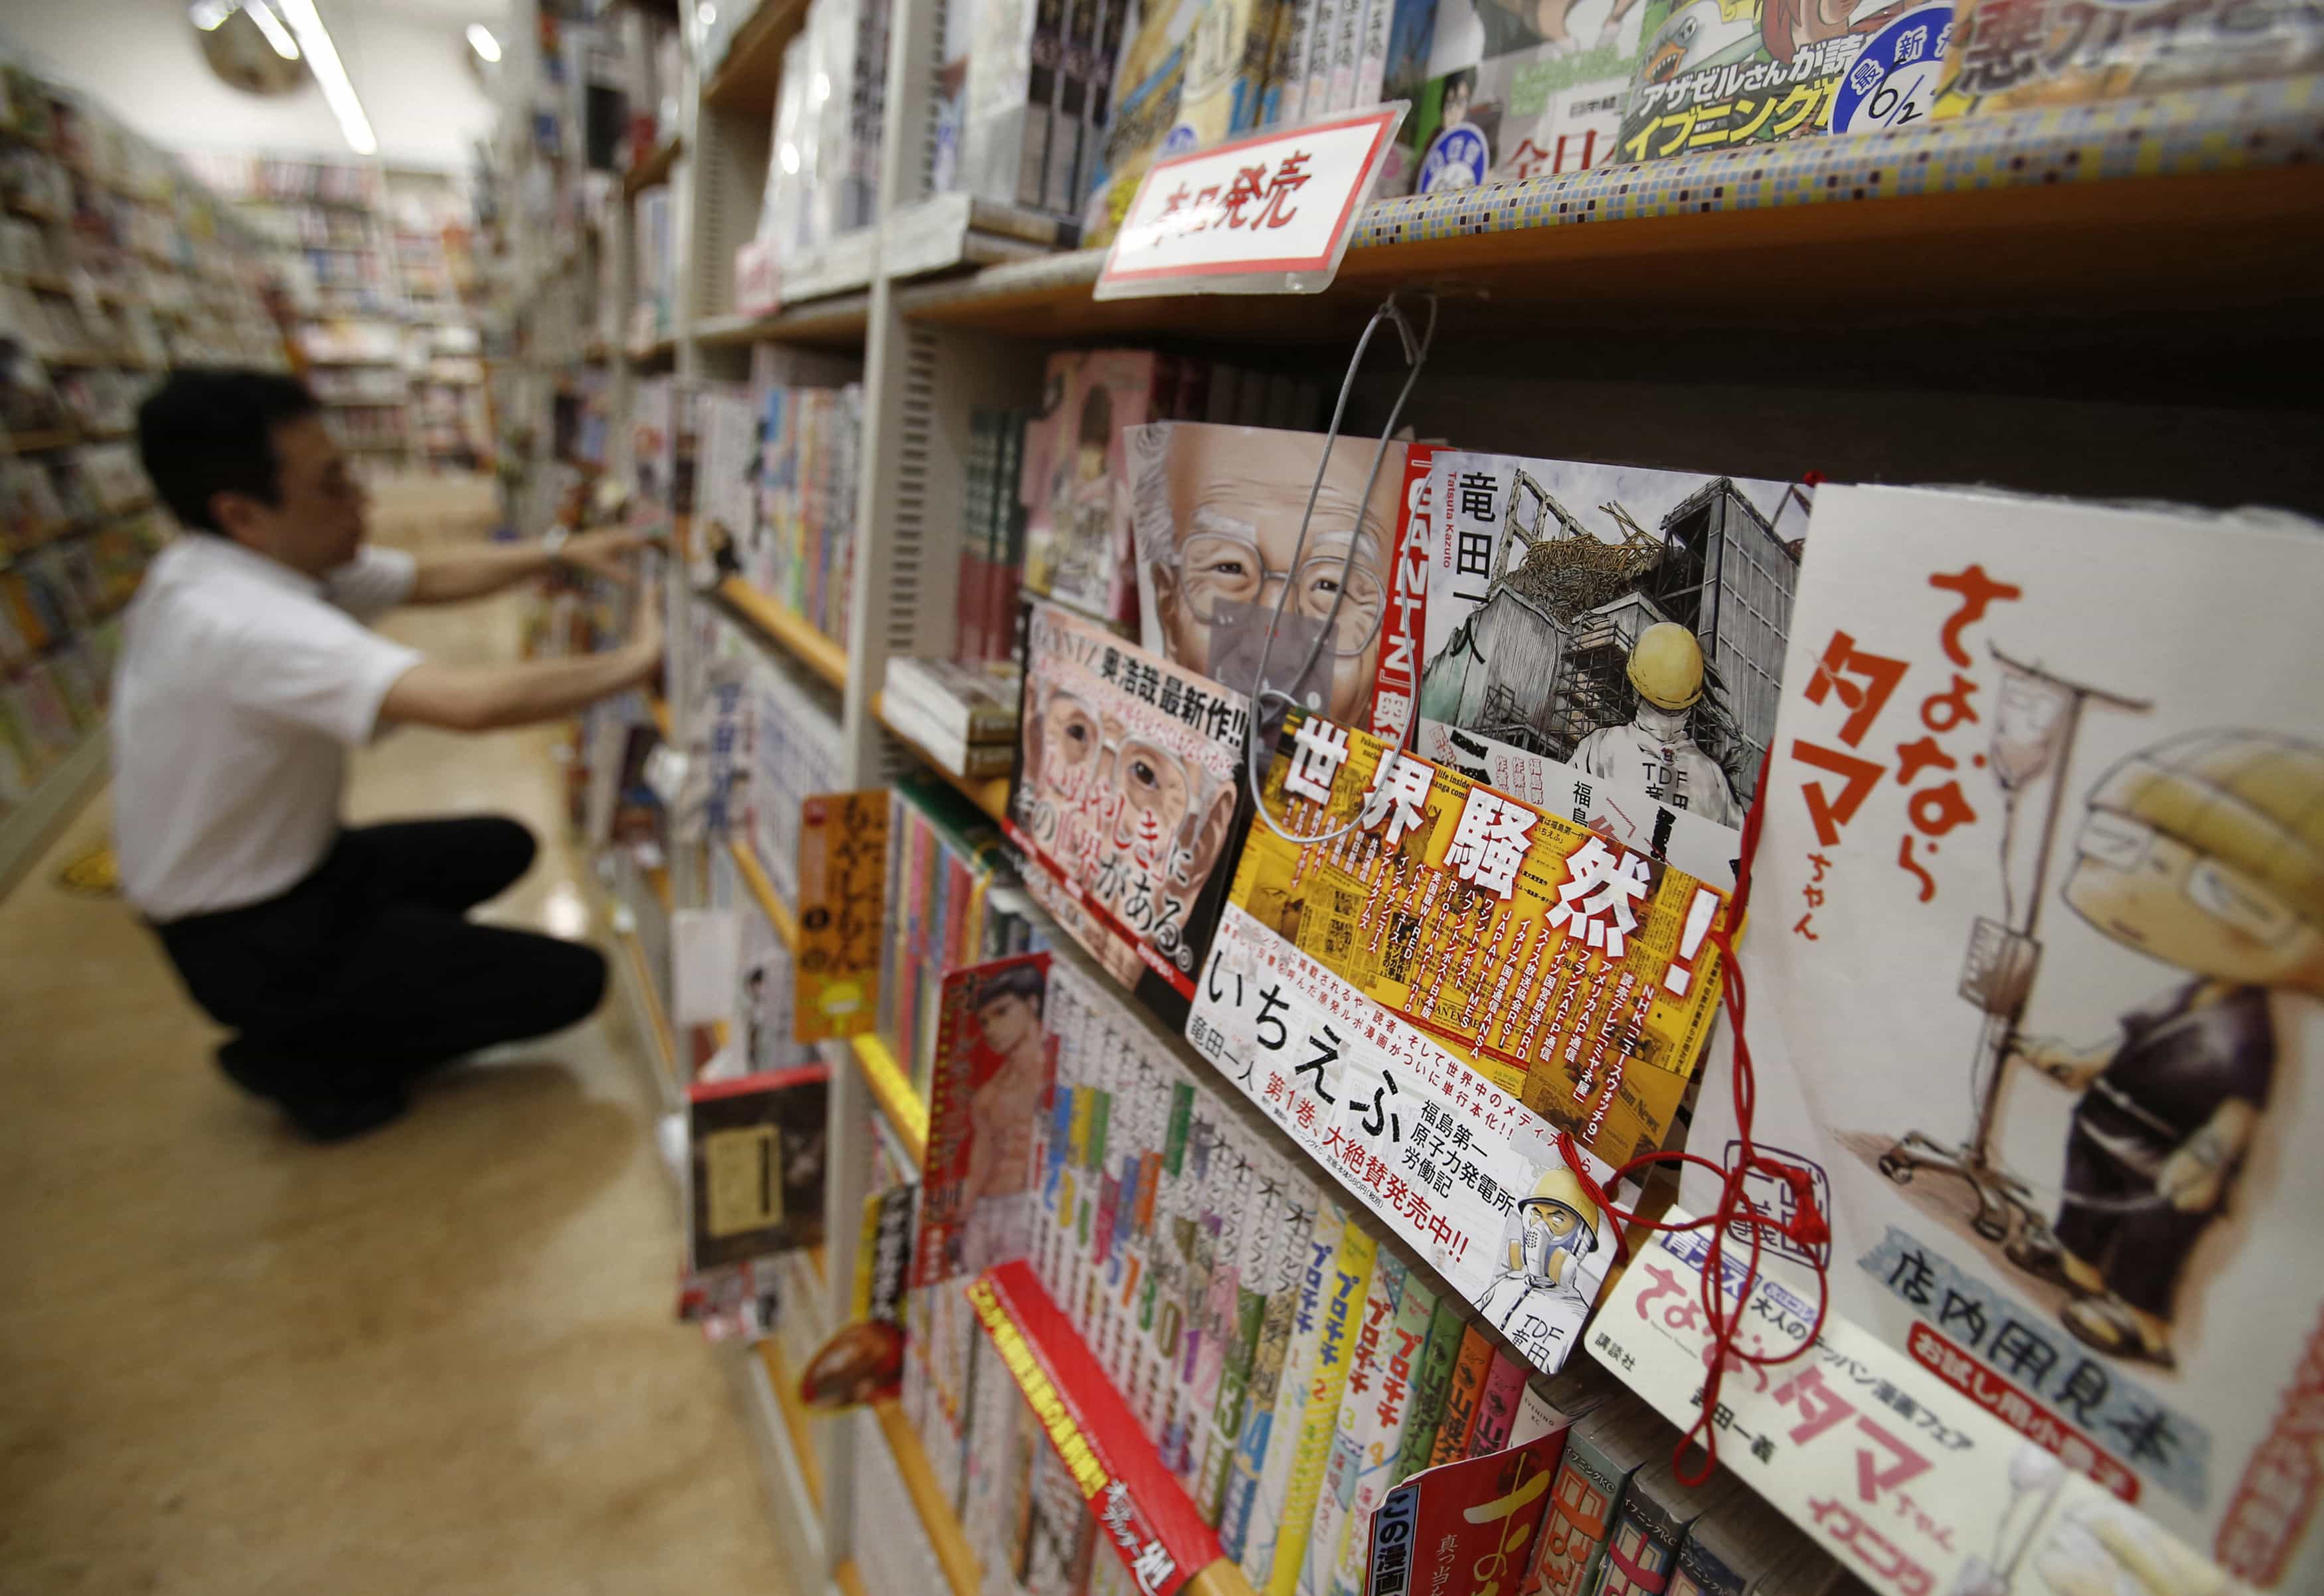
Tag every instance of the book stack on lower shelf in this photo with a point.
(962, 717)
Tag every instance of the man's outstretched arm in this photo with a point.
(486, 697)
(450, 575)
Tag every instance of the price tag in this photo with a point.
(1268, 214)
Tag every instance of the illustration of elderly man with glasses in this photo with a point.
(1132, 819)
(2205, 853)
(1217, 512)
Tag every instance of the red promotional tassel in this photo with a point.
(1809, 1228)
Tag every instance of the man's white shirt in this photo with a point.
(242, 685)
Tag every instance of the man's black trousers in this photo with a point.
(368, 973)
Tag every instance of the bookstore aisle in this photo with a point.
(454, 1335)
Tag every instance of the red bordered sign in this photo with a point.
(1268, 214)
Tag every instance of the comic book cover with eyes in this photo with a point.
(1127, 800)
(2035, 955)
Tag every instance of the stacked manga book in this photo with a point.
(961, 714)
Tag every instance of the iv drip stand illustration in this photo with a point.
(1997, 976)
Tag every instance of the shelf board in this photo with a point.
(988, 793)
(903, 1108)
(47, 282)
(1050, 1363)
(762, 887)
(789, 630)
(945, 1536)
(25, 443)
(663, 1041)
(654, 170)
(795, 1417)
(835, 321)
(746, 79)
(2246, 237)
(34, 210)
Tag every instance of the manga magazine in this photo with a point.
(1627, 622)
(2036, 941)
(1217, 512)
(1127, 800)
(1508, 91)
(1574, 976)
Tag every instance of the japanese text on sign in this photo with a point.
(1569, 970)
(1910, 1481)
(843, 898)
(1280, 203)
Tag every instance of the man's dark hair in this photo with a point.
(212, 431)
(1028, 981)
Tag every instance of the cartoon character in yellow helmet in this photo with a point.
(1538, 1300)
(1656, 750)
(2205, 852)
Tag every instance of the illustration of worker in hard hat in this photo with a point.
(1657, 749)
(2205, 853)
(1538, 1299)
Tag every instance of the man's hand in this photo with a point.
(604, 552)
(483, 698)
(645, 621)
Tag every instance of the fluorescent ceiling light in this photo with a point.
(323, 58)
(481, 40)
(272, 26)
(208, 14)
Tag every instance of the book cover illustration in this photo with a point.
(1460, 1171)
(1716, 73)
(1629, 622)
(2064, 859)
(991, 1072)
(1566, 971)
(1077, 533)
(1126, 801)
(1475, 1520)
(2008, 55)
(1217, 512)
(1503, 91)
(755, 1160)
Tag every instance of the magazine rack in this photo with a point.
(1946, 303)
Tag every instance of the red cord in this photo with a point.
(1808, 1228)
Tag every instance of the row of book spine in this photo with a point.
(993, 536)
(1288, 1366)
(950, 904)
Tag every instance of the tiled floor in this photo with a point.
(438, 1360)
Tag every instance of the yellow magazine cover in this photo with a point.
(1573, 973)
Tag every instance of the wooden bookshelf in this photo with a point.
(653, 172)
(958, 1563)
(906, 1111)
(2246, 237)
(796, 1420)
(789, 630)
(745, 79)
(761, 887)
(988, 793)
